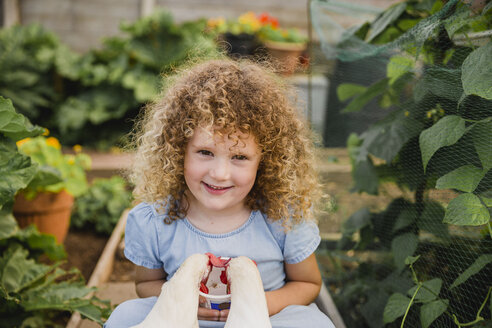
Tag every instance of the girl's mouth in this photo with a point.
(215, 189)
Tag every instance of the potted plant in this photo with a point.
(47, 200)
(239, 36)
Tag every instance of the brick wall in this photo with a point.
(83, 23)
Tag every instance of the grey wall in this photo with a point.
(83, 23)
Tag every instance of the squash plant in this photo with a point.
(437, 135)
(32, 293)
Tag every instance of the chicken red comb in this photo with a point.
(217, 261)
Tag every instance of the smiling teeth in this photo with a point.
(216, 188)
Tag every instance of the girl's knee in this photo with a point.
(294, 316)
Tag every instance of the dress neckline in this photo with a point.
(220, 235)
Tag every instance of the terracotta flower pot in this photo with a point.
(286, 55)
(49, 212)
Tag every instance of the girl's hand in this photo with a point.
(210, 314)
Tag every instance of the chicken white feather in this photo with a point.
(177, 304)
(248, 302)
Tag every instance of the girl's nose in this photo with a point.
(221, 170)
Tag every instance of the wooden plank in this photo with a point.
(104, 265)
(327, 306)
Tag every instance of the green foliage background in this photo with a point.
(93, 98)
(425, 261)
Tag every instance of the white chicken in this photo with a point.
(177, 304)
(179, 296)
(248, 302)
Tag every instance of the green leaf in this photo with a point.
(356, 221)
(482, 140)
(431, 311)
(18, 271)
(386, 138)
(365, 177)
(411, 259)
(8, 226)
(478, 265)
(16, 171)
(441, 82)
(388, 17)
(395, 308)
(346, 91)
(466, 209)
(406, 217)
(398, 66)
(13, 125)
(477, 72)
(371, 92)
(431, 220)
(428, 292)
(445, 132)
(403, 246)
(465, 178)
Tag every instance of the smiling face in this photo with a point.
(220, 171)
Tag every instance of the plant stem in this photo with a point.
(410, 304)
(490, 229)
(478, 317)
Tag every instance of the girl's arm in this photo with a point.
(302, 287)
(148, 282)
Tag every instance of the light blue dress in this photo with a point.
(151, 243)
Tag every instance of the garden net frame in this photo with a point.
(413, 86)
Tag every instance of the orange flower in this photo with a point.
(53, 142)
(21, 142)
(266, 19)
(77, 148)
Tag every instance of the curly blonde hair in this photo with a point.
(229, 96)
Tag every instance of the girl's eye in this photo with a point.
(205, 152)
(240, 157)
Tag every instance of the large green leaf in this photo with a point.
(18, 272)
(8, 226)
(387, 17)
(365, 177)
(466, 209)
(482, 140)
(16, 171)
(431, 311)
(395, 308)
(403, 246)
(431, 220)
(407, 217)
(465, 178)
(428, 292)
(441, 82)
(386, 138)
(362, 99)
(14, 125)
(478, 265)
(445, 132)
(477, 72)
(346, 91)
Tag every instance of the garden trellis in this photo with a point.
(421, 71)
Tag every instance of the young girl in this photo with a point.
(224, 165)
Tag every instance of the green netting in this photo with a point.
(411, 98)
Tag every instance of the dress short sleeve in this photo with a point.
(300, 242)
(141, 237)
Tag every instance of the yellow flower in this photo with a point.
(251, 20)
(216, 22)
(53, 142)
(46, 132)
(407, 113)
(429, 114)
(77, 148)
(21, 142)
(71, 160)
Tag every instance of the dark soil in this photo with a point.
(84, 248)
